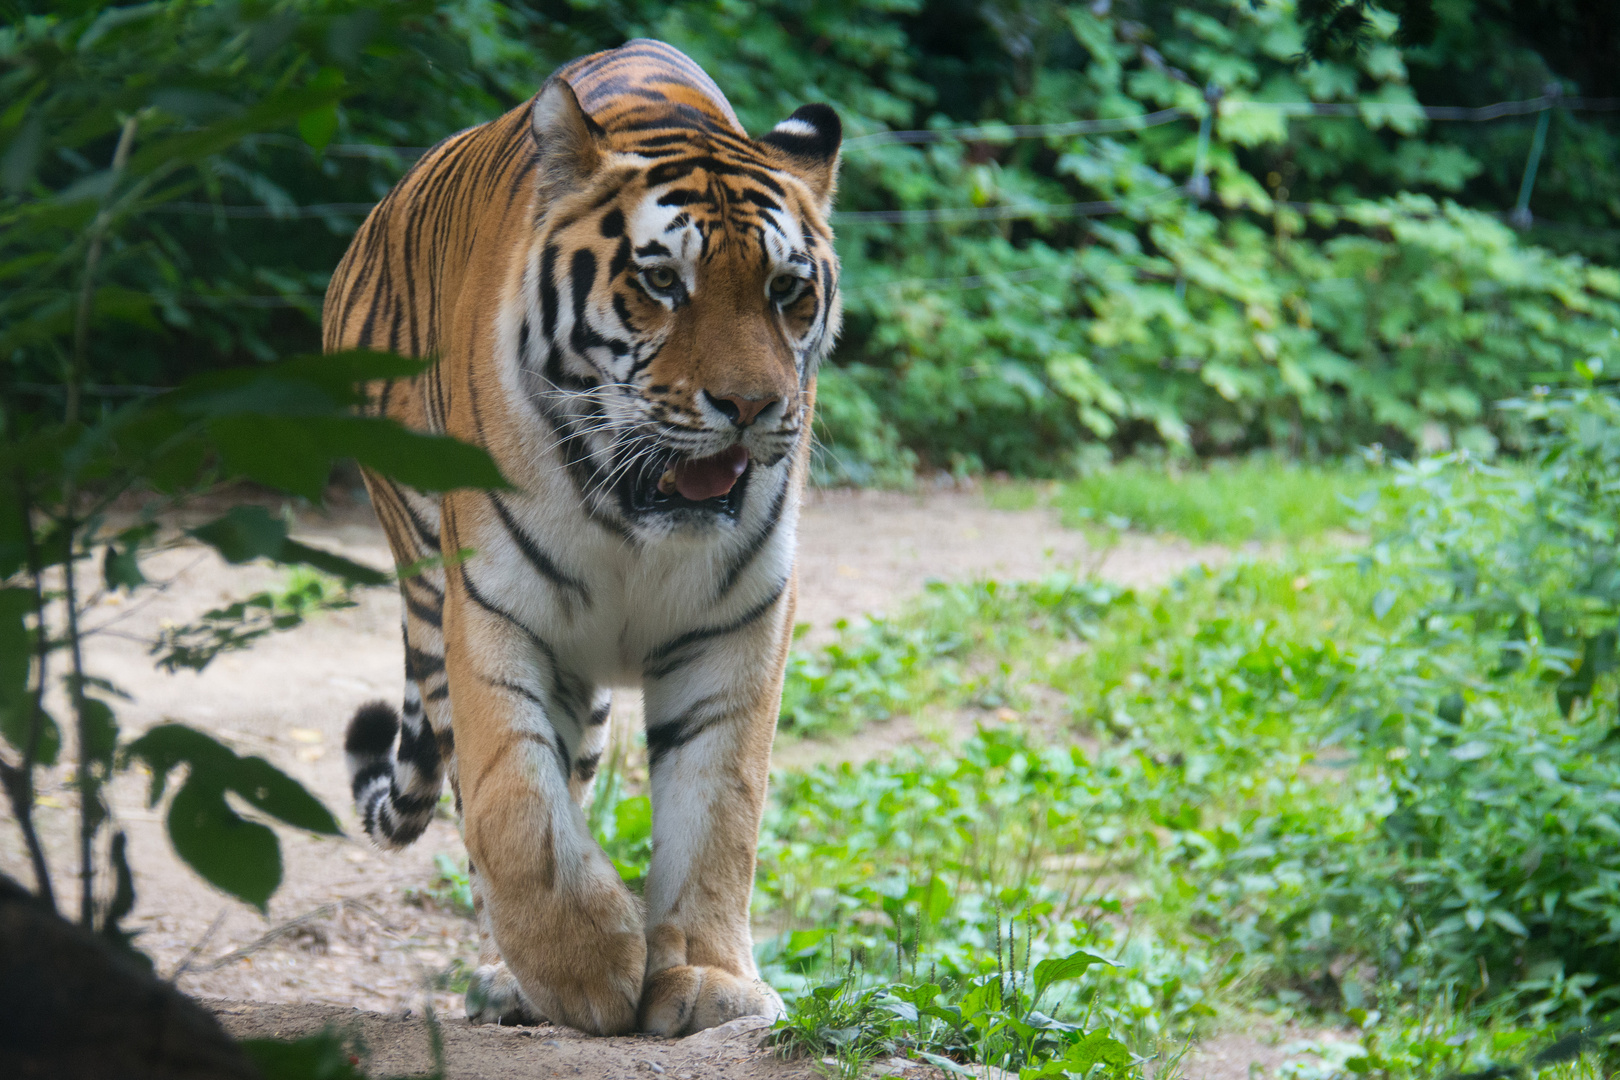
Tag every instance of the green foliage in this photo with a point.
(239, 856)
(240, 624)
(453, 886)
(1224, 501)
(1372, 788)
(114, 117)
(993, 1019)
(885, 666)
(1347, 280)
(323, 1056)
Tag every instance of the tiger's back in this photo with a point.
(626, 299)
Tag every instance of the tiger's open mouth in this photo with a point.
(714, 483)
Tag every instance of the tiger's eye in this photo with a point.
(783, 284)
(661, 277)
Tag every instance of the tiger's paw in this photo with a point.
(686, 999)
(494, 997)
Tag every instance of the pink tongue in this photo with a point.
(709, 477)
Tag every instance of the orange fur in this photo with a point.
(506, 256)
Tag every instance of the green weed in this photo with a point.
(1257, 499)
(1370, 787)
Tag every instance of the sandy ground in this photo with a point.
(354, 928)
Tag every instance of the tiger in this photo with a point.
(624, 299)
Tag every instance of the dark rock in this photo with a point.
(73, 1005)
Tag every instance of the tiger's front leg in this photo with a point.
(566, 926)
(711, 717)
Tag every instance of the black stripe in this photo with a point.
(621, 308)
(411, 805)
(368, 816)
(421, 582)
(548, 292)
(432, 614)
(581, 277)
(478, 598)
(418, 747)
(671, 735)
(423, 533)
(542, 563)
(746, 557)
(621, 258)
(519, 689)
(420, 665)
(366, 774)
(662, 660)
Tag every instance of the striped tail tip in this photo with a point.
(395, 797)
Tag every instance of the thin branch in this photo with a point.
(87, 781)
(157, 589)
(325, 911)
(92, 262)
(202, 943)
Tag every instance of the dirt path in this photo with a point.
(368, 935)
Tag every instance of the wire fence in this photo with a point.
(1373, 112)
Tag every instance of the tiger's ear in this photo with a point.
(569, 141)
(810, 139)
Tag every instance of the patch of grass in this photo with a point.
(1225, 501)
(1371, 790)
(884, 666)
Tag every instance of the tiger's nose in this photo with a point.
(741, 411)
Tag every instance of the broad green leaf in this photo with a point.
(237, 856)
(16, 644)
(940, 1062)
(1507, 921)
(1057, 970)
(121, 569)
(425, 462)
(241, 857)
(317, 126)
(100, 728)
(902, 1010)
(296, 454)
(279, 452)
(329, 563)
(324, 1056)
(245, 533)
(168, 746)
(279, 795)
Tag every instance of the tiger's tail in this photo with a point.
(395, 789)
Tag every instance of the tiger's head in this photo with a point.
(684, 288)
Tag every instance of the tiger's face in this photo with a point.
(687, 289)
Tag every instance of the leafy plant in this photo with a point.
(1215, 324)
(1223, 501)
(119, 114)
(990, 1019)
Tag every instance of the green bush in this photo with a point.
(1391, 308)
